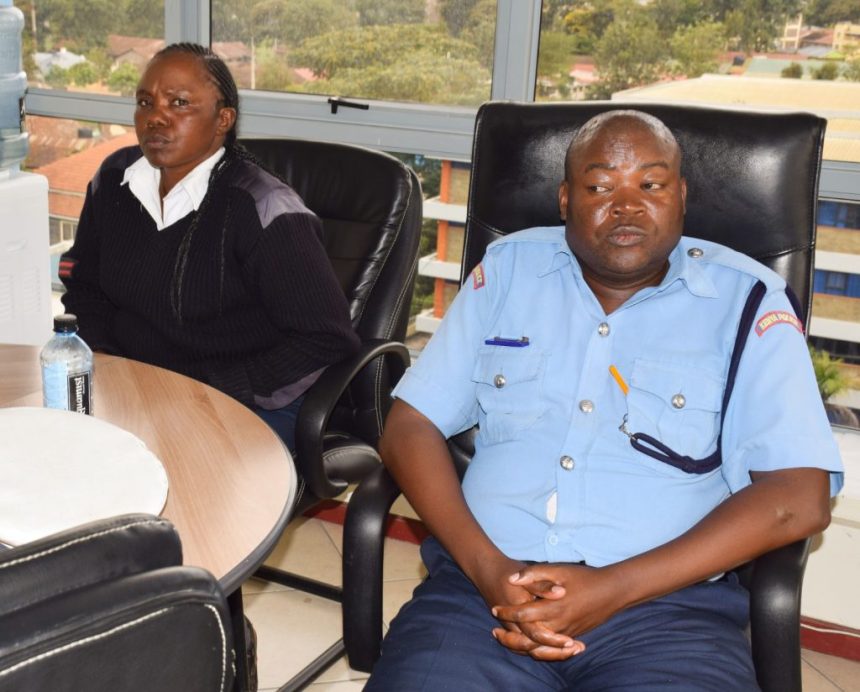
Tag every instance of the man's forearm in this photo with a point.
(776, 509)
(417, 456)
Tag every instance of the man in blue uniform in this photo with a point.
(612, 489)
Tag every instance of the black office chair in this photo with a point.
(105, 607)
(370, 205)
(752, 185)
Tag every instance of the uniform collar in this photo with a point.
(561, 257)
(685, 265)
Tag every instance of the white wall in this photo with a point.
(831, 588)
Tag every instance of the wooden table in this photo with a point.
(232, 481)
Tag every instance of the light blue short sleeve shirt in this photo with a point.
(553, 477)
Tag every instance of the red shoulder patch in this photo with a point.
(478, 277)
(773, 317)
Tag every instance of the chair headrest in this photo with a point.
(752, 177)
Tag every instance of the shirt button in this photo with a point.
(499, 381)
(695, 252)
(586, 406)
(603, 329)
(679, 401)
(552, 540)
(566, 463)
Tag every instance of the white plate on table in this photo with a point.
(59, 469)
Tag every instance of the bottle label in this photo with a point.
(80, 393)
(65, 390)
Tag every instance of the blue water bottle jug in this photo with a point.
(13, 85)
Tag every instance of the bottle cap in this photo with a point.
(65, 323)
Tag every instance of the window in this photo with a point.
(96, 46)
(399, 50)
(621, 49)
(62, 232)
(835, 283)
(839, 214)
(68, 153)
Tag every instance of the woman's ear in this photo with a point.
(226, 120)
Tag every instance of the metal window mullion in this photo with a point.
(78, 105)
(516, 49)
(187, 20)
(430, 130)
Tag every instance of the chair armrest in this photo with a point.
(320, 402)
(86, 555)
(363, 548)
(775, 588)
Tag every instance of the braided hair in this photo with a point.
(226, 85)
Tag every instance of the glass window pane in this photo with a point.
(624, 48)
(90, 45)
(400, 50)
(68, 153)
(665, 51)
(445, 186)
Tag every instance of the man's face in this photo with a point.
(179, 119)
(623, 204)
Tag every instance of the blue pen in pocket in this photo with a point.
(503, 341)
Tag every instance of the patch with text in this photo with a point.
(777, 317)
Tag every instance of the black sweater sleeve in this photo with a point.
(290, 273)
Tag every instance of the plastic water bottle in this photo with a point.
(13, 85)
(67, 368)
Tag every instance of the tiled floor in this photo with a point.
(312, 547)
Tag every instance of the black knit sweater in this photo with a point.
(260, 309)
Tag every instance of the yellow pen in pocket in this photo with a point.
(620, 380)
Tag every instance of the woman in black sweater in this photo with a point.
(196, 259)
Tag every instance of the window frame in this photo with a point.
(435, 131)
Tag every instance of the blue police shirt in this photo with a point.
(553, 478)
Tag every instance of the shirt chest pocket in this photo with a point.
(678, 404)
(508, 389)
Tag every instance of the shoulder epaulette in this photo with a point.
(723, 256)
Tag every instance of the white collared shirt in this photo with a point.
(186, 196)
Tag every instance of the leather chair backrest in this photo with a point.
(752, 177)
(107, 606)
(370, 205)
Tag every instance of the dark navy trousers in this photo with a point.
(692, 639)
(283, 421)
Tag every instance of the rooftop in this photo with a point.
(68, 176)
(838, 101)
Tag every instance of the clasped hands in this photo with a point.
(543, 607)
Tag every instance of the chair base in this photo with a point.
(333, 593)
(297, 581)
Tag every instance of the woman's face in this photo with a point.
(179, 119)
